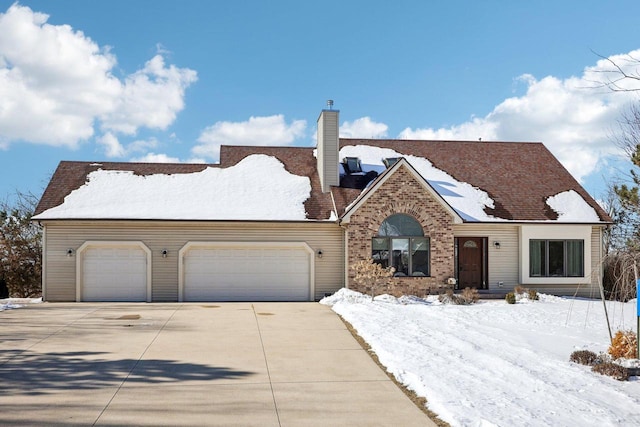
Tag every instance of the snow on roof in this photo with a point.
(468, 201)
(257, 188)
(571, 207)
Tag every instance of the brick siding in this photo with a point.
(401, 193)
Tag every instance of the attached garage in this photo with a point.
(246, 271)
(113, 271)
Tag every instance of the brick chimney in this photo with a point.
(327, 148)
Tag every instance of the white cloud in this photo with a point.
(270, 130)
(142, 145)
(156, 158)
(151, 98)
(473, 130)
(363, 127)
(112, 146)
(152, 157)
(572, 117)
(56, 84)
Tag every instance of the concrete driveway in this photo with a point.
(263, 364)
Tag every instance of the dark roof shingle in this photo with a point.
(519, 177)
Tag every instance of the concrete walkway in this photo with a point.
(262, 364)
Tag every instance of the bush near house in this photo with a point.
(372, 276)
(525, 293)
(468, 296)
(585, 357)
(624, 344)
(510, 298)
(611, 369)
(600, 364)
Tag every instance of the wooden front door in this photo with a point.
(471, 262)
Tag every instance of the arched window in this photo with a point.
(401, 244)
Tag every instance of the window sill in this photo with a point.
(556, 280)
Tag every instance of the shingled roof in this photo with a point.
(519, 177)
(70, 176)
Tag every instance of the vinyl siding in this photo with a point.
(327, 149)
(60, 269)
(502, 263)
(587, 287)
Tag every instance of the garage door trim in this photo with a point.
(253, 245)
(109, 244)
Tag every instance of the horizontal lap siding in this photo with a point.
(503, 262)
(60, 269)
(596, 261)
(587, 287)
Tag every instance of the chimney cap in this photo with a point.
(330, 104)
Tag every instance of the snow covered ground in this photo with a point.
(11, 303)
(495, 364)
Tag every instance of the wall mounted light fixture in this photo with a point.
(319, 253)
(164, 253)
(496, 244)
(70, 252)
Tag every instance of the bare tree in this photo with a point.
(20, 247)
(628, 201)
(622, 240)
(622, 76)
(614, 237)
(619, 279)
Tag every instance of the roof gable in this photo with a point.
(384, 177)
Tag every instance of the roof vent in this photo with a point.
(352, 165)
(330, 104)
(390, 161)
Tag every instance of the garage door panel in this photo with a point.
(114, 274)
(246, 274)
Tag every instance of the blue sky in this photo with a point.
(171, 81)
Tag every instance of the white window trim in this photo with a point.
(554, 232)
(109, 244)
(239, 244)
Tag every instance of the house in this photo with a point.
(286, 223)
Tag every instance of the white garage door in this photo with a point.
(246, 273)
(114, 274)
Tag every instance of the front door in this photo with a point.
(471, 262)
